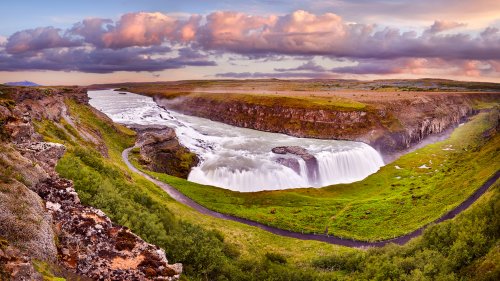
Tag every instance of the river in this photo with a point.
(241, 159)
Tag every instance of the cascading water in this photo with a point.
(242, 159)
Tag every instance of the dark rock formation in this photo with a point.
(161, 151)
(291, 163)
(311, 161)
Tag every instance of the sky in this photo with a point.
(85, 42)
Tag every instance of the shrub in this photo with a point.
(276, 258)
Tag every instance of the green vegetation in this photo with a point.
(465, 248)
(310, 102)
(46, 270)
(212, 249)
(209, 249)
(403, 196)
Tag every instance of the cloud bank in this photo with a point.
(156, 41)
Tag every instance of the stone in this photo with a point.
(111, 251)
(309, 159)
(161, 151)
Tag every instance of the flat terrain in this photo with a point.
(323, 91)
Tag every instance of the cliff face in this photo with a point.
(388, 126)
(37, 207)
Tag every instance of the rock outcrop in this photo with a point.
(15, 265)
(91, 245)
(37, 207)
(309, 159)
(161, 151)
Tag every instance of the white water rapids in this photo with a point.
(241, 159)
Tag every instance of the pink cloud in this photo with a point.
(231, 30)
(140, 29)
(298, 34)
(31, 40)
(441, 25)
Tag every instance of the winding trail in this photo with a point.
(181, 198)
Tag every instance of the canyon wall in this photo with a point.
(389, 125)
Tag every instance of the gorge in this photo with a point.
(242, 159)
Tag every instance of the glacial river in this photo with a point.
(241, 159)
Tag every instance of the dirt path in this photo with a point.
(181, 198)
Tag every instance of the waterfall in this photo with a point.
(242, 159)
(348, 166)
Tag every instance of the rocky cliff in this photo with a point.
(160, 151)
(38, 208)
(388, 125)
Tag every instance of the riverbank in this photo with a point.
(332, 239)
(413, 191)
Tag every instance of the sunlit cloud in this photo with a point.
(157, 41)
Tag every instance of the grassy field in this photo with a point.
(212, 249)
(106, 183)
(311, 101)
(411, 192)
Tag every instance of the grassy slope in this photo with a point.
(132, 201)
(390, 203)
(107, 184)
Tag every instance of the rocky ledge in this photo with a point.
(390, 126)
(38, 208)
(92, 245)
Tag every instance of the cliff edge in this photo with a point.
(42, 220)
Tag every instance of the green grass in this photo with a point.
(207, 247)
(310, 102)
(387, 204)
(213, 249)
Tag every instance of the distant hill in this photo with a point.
(22, 83)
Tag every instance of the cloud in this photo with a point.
(309, 66)
(155, 41)
(139, 29)
(383, 67)
(41, 38)
(303, 33)
(136, 29)
(440, 26)
(101, 60)
(414, 66)
(256, 75)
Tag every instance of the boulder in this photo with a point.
(161, 151)
(309, 159)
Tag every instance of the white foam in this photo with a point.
(241, 159)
